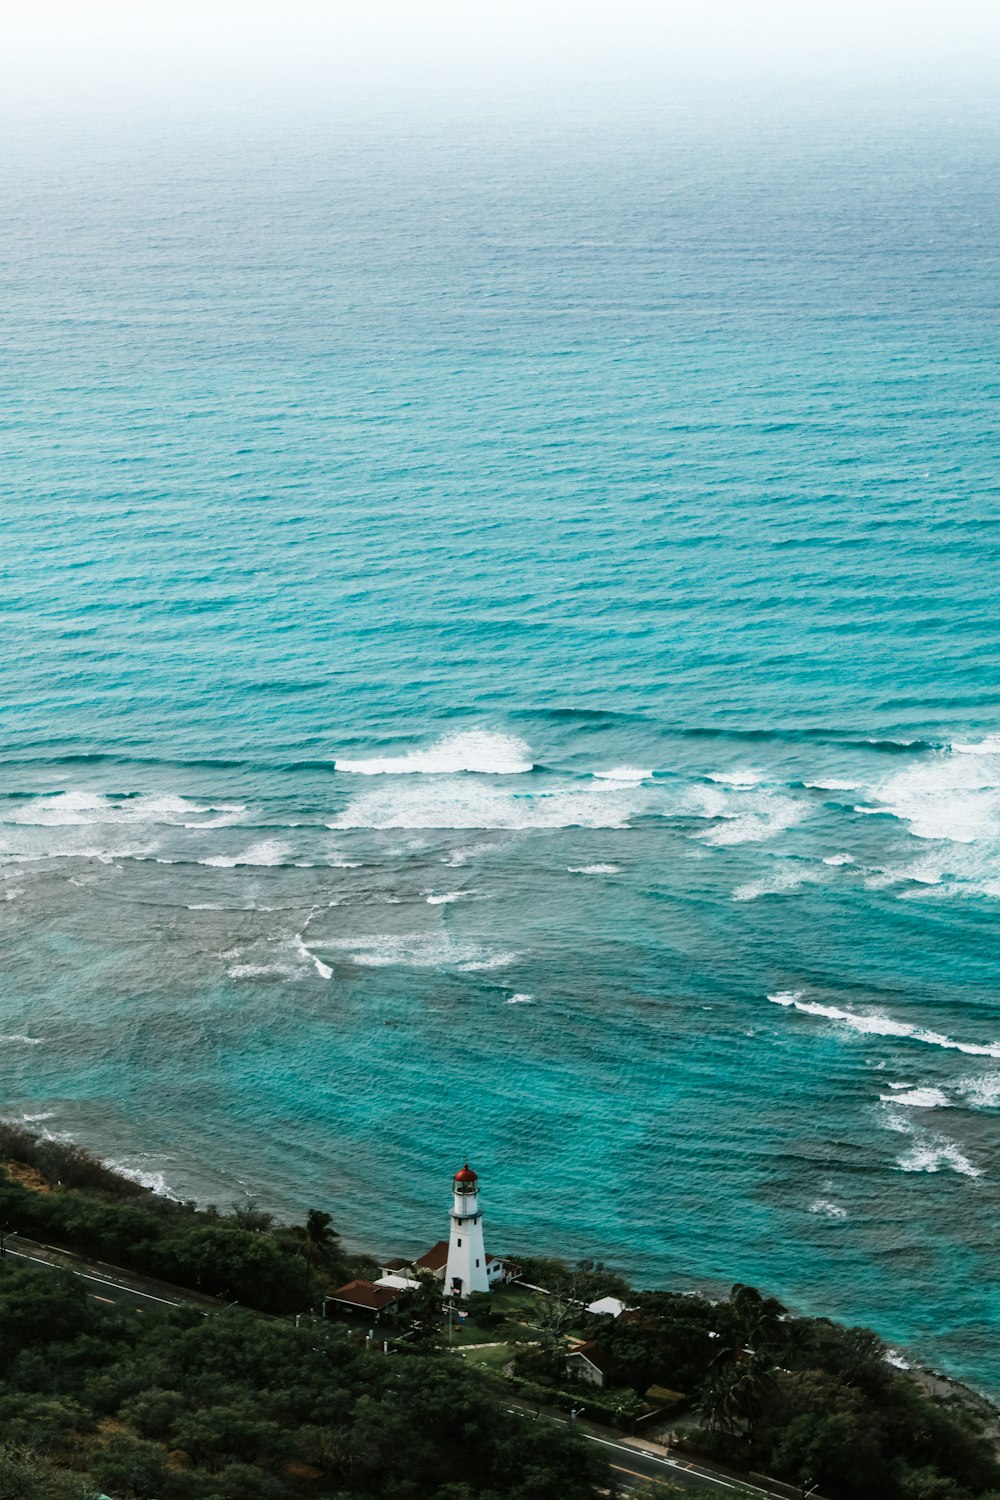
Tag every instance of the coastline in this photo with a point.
(935, 1382)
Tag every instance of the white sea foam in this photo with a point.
(922, 1098)
(623, 773)
(743, 779)
(266, 853)
(894, 1358)
(521, 1000)
(934, 1155)
(989, 746)
(775, 884)
(477, 750)
(593, 869)
(16, 1038)
(931, 1151)
(76, 808)
(446, 898)
(412, 950)
(838, 859)
(155, 1181)
(483, 965)
(461, 803)
(878, 1024)
(832, 786)
(981, 1093)
(748, 816)
(323, 970)
(828, 1209)
(954, 797)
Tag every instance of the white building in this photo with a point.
(466, 1267)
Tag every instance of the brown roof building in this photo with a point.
(364, 1296)
(435, 1260)
(587, 1362)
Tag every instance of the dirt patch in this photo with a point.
(26, 1176)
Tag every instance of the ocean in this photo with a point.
(501, 661)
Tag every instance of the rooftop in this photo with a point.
(365, 1294)
(436, 1258)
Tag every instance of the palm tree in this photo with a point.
(317, 1241)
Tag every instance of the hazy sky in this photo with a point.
(183, 53)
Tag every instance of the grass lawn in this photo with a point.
(488, 1359)
(474, 1333)
(518, 1304)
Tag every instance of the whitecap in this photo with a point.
(894, 1358)
(404, 950)
(78, 808)
(832, 786)
(155, 1181)
(268, 852)
(474, 750)
(323, 970)
(950, 797)
(446, 898)
(745, 816)
(878, 1024)
(521, 999)
(776, 884)
(838, 859)
(623, 773)
(989, 746)
(931, 1151)
(920, 1098)
(743, 780)
(828, 1209)
(981, 1093)
(20, 1039)
(932, 1156)
(462, 803)
(483, 965)
(593, 869)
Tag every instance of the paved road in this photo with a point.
(632, 1464)
(107, 1283)
(114, 1286)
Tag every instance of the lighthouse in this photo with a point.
(466, 1257)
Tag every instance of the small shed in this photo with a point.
(612, 1307)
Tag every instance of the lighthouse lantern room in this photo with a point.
(466, 1257)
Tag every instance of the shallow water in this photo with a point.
(500, 659)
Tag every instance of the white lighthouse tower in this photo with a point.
(466, 1257)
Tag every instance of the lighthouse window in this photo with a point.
(477, 1260)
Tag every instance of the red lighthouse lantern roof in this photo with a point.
(466, 1174)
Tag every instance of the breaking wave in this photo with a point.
(916, 1098)
(623, 773)
(880, 1025)
(475, 750)
(73, 809)
(744, 815)
(466, 804)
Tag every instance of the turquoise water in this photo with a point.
(500, 658)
